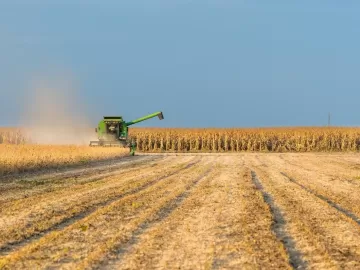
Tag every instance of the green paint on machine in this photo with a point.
(113, 131)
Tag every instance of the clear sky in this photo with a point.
(203, 63)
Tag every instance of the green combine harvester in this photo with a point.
(113, 131)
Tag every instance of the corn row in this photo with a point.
(247, 140)
(305, 139)
(9, 136)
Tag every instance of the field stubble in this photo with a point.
(194, 212)
(25, 158)
(327, 237)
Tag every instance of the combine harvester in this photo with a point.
(113, 131)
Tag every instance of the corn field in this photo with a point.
(12, 136)
(302, 139)
(247, 140)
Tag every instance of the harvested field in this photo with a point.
(26, 158)
(189, 211)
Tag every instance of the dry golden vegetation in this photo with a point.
(243, 211)
(12, 136)
(249, 140)
(22, 158)
(302, 139)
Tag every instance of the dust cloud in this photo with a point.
(55, 114)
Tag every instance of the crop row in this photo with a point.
(247, 140)
(12, 136)
(302, 139)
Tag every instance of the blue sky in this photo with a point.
(203, 63)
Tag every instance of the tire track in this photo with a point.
(70, 171)
(14, 246)
(278, 227)
(161, 215)
(339, 165)
(262, 164)
(79, 183)
(213, 228)
(23, 184)
(325, 199)
(57, 184)
(38, 213)
(313, 169)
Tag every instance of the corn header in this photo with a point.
(113, 131)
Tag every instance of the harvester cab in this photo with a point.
(113, 131)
